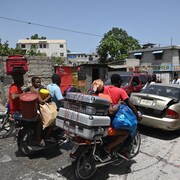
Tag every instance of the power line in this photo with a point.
(62, 29)
(52, 27)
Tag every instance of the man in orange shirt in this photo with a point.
(116, 96)
(15, 92)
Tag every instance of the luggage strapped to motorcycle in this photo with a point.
(79, 99)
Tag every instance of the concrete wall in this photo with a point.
(37, 66)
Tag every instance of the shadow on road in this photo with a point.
(158, 133)
(48, 153)
(102, 173)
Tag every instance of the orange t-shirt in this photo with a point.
(111, 130)
(14, 103)
(116, 94)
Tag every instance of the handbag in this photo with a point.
(125, 119)
(48, 113)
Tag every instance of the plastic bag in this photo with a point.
(125, 119)
(48, 113)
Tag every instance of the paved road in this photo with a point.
(158, 159)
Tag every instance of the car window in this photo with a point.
(108, 82)
(135, 81)
(143, 79)
(125, 80)
(170, 92)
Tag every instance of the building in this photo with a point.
(56, 48)
(77, 58)
(164, 61)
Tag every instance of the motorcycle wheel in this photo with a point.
(85, 165)
(25, 139)
(135, 145)
(6, 126)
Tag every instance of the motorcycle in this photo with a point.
(7, 123)
(26, 136)
(87, 154)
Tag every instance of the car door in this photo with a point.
(136, 84)
(143, 80)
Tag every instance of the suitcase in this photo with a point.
(83, 125)
(87, 104)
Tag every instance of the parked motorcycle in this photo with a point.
(88, 157)
(26, 136)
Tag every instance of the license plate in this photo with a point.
(146, 102)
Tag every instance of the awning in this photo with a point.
(157, 52)
(138, 54)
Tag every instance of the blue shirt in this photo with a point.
(56, 94)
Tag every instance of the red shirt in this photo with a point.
(14, 103)
(115, 93)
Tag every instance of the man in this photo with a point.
(55, 91)
(176, 80)
(118, 94)
(14, 92)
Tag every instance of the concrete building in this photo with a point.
(78, 58)
(164, 61)
(56, 48)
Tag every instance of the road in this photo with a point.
(159, 159)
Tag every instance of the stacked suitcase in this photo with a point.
(84, 115)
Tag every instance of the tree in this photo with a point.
(115, 45)
(34, 51)
(6, 51)
(36, 36)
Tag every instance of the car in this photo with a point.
(132, 82)
(159, 105)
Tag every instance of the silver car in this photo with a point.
(159, 105)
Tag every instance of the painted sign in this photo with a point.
(162, 67)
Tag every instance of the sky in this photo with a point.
(83, 23)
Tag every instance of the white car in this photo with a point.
(159, 105)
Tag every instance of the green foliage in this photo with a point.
(115, 45)
(36, 36)
(34, 51)
(58, 60)
(6, 51)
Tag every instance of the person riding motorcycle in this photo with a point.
(115, 98)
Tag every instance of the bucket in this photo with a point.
(29, 105)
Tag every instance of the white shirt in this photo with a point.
(176, 81)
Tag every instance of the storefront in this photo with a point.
(164, 72)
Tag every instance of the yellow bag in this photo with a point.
(48, 113)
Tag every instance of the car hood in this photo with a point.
(150, 101)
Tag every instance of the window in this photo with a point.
(61, 45)
(135, 81)
(42, 45)
(23, 46)
(138, 55)
(61, 54)
(143, 79)
(158, 54)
